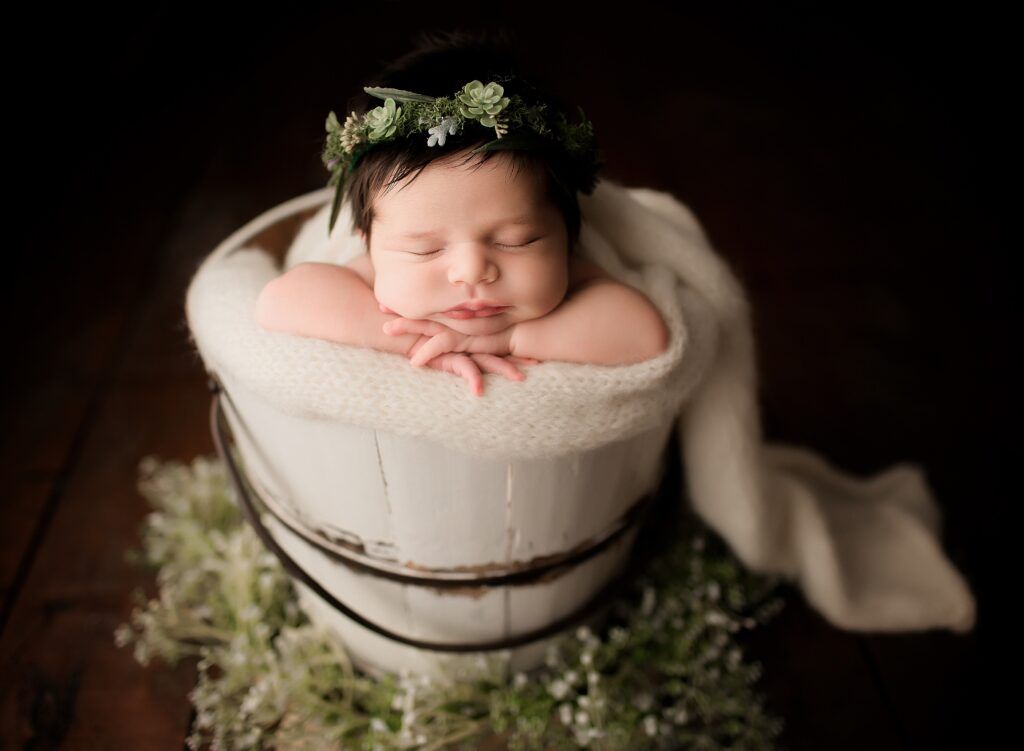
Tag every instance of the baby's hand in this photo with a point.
(466, 366)
(471, 367)
(443, 339)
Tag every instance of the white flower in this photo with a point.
(558, 689)
(440, 132)
(587, 658)
(715, 618)
(565, 713)
(583, 633)
(378, 725)
(572, 677)
(582, 718)
(593, 676)
(519, 680)
(651, 725)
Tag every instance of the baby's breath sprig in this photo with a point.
(517, 124)
(665, 672)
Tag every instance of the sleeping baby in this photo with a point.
(471, 263)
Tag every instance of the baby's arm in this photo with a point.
(604, 322)
(327, 301)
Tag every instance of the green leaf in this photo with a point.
(335, 207)
(399, 95)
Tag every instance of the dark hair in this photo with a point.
(441, 63)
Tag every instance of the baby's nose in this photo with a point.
(472, 266)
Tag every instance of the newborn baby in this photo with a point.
(469, 269)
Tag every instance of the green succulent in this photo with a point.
(481, 102)
(517, 124)
(383, 121)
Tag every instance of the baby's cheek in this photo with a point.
(399, 295)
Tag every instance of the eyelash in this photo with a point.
(500, 245)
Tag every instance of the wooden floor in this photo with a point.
(841, 166)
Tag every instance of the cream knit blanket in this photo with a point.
(866, 552)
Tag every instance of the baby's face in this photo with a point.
(453, 234)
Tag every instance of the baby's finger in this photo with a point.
(522, 360)
(465, 367)
(417, 344)
(498, 366)
(437, 345)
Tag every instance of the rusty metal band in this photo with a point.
(592, 606)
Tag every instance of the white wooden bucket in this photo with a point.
(406, 532)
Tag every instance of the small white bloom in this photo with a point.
(378, 725)
(558, 689)
(582, 718)
(650, 725)
(572, 677)
(715, 618)
(587, 658)
(583, 633)
(593, 676)
(565, 713)
(440, 132)
(519, 680)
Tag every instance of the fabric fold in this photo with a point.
(866, 552)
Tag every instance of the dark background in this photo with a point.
(849, 165)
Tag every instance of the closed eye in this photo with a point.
(500, 245)
(531, 242)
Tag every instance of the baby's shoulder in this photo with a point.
(362, 266)
(582, 271)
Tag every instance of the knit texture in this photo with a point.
(865, 551)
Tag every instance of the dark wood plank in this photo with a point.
(62, 679)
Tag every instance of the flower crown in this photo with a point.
(516, 123)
